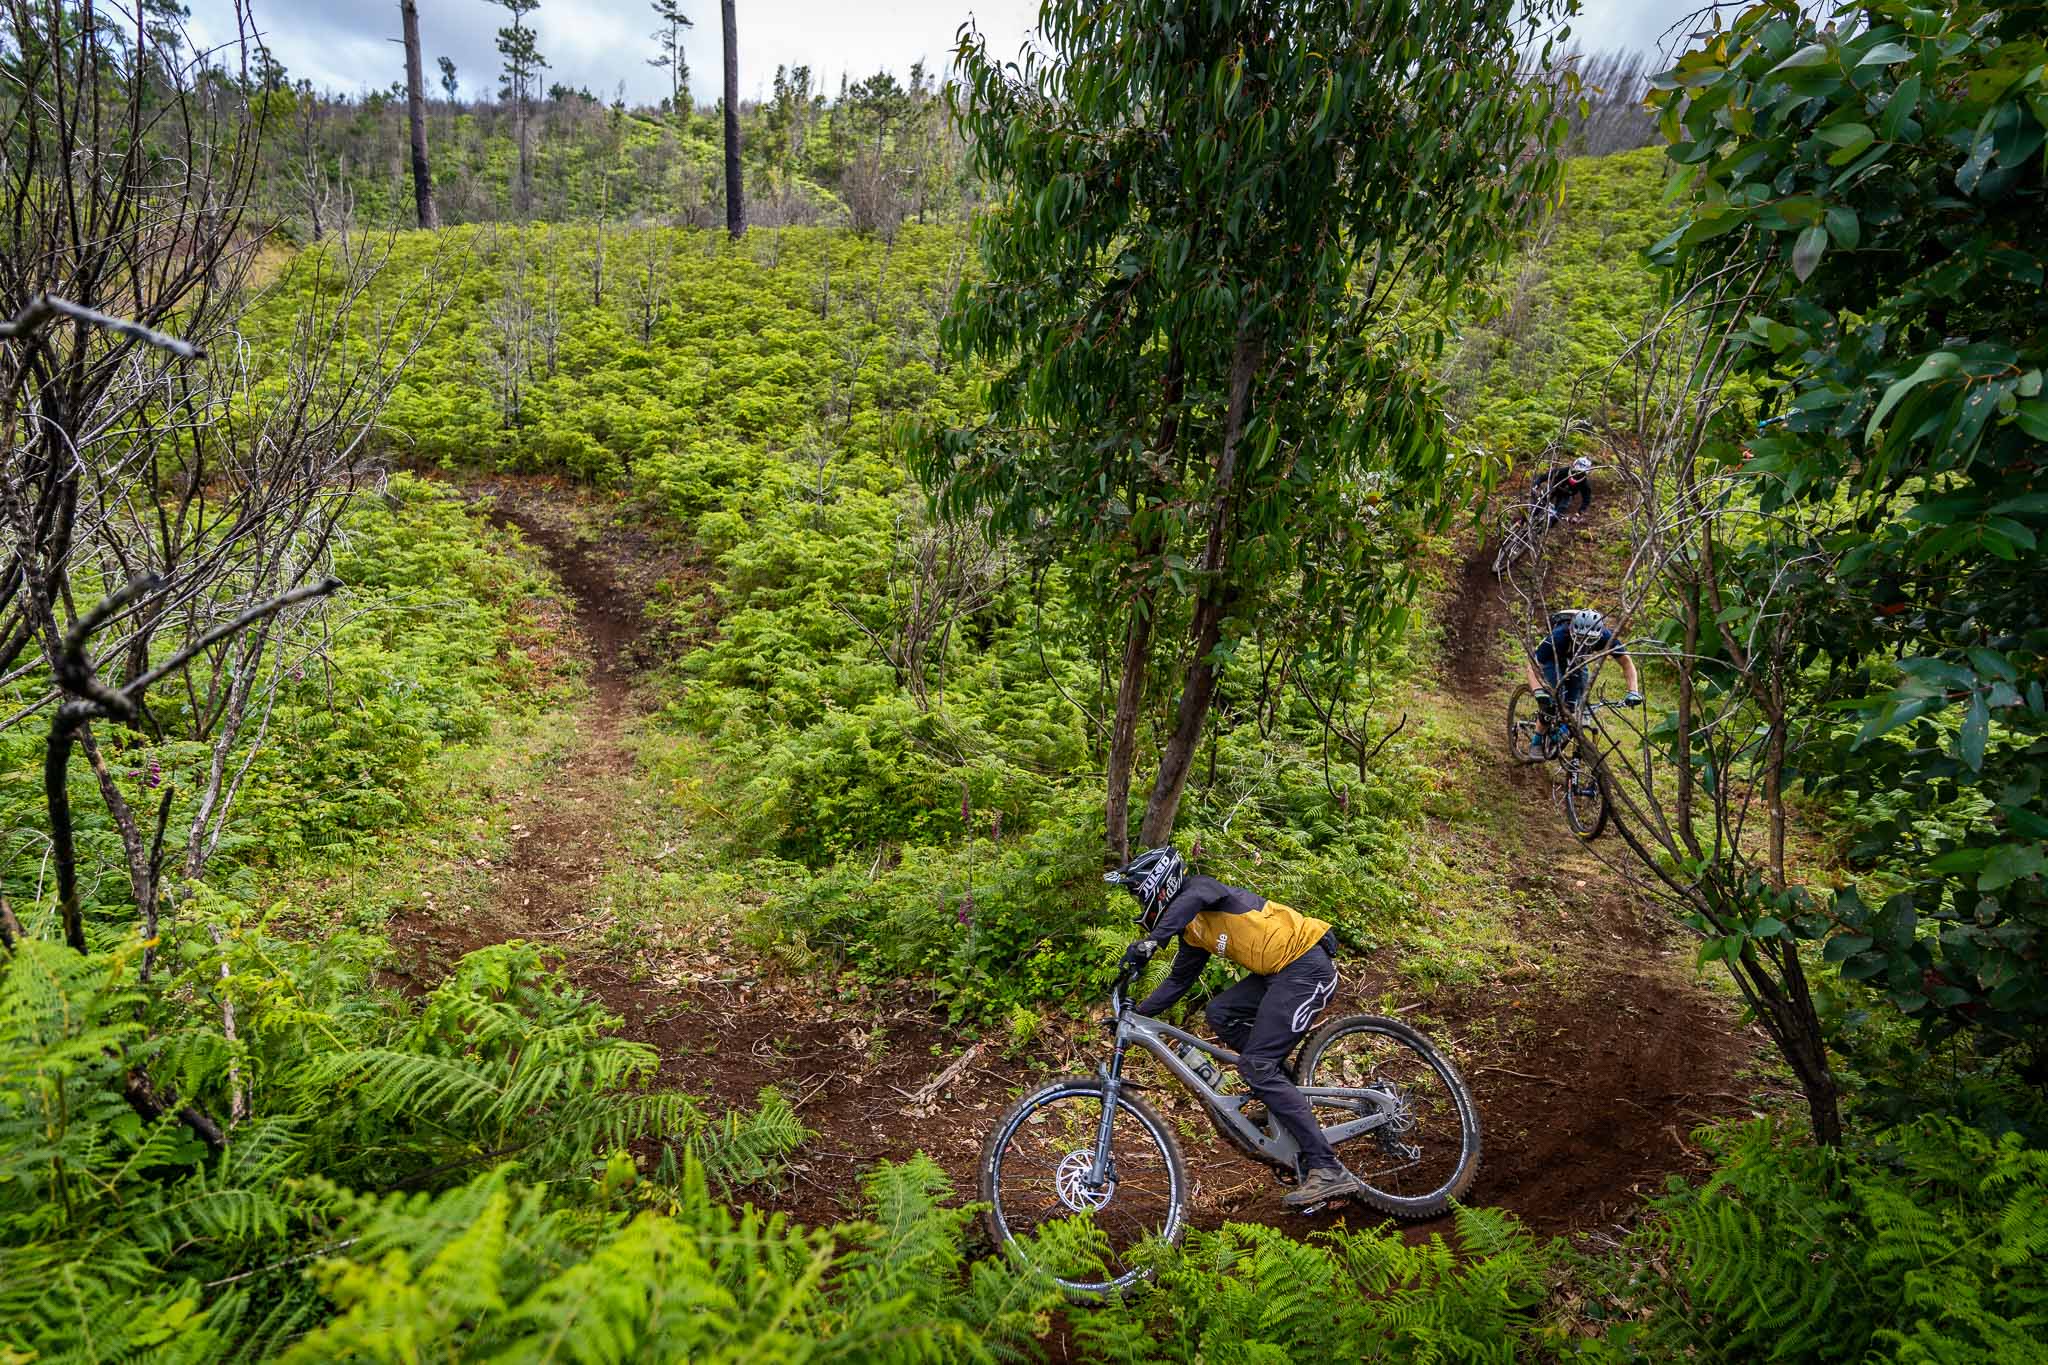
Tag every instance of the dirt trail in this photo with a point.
(1587, 1087)
(1598, 1086)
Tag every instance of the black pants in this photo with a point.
(1261, 1018)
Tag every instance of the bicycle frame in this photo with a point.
(1584, 724)
(1272, 1142)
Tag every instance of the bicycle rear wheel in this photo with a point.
(1033, 1179)
(1585, 795)
(1428, 1155)
(1529, 736)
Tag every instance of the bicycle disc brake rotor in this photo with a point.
(1071, 1181)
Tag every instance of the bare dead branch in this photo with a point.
(46, 308)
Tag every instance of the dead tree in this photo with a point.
(939, 575)
(735, 195)
(416, 115)
(650, 281)
(1699, 788)
(508, 339)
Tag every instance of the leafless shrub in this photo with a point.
(161, 525)
(1614, 118)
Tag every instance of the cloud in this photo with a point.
(599, 44)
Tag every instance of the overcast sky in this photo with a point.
(345, 46)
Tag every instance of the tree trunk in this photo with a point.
(1123, 742)
(1176, 760)
(1686, 709)
(735, 200)
(416, 115)
(1218, 598)
(1137, 665)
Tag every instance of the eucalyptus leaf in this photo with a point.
(1813, 54)
(1806, 251)
(1936, 366)
(1884, 54)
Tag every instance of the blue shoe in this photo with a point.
(1536, 745)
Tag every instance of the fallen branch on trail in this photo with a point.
(927, 1094)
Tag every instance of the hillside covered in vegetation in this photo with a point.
(555, 775)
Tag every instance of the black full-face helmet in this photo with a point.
(1153, 878)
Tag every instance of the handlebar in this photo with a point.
(1125, 975)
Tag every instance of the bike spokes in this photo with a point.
(1040, 1173)
(1420, 1148)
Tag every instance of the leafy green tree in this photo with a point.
(1208, 300)
(1883, 179)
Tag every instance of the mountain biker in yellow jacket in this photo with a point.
(1261, 1018)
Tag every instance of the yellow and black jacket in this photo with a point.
(1208, 917)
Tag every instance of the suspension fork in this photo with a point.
(1102, 1169)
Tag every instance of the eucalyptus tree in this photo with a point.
(1222, 260)
(1866, 236)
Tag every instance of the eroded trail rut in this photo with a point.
(1587, 1083)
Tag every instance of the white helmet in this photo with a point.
(1582, 466)
(1587, 627)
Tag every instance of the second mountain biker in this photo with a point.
(1579, 640)
(1262, 1017)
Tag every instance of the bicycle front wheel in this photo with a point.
(1529, 730)
(1427, 1154)
(1034, 1170)
(1585, 797)
(1510, 550)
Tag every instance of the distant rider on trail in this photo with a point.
(1262, 1017)
(1559, 484)
(1579, 640)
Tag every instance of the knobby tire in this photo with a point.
(1454, 1107)
(1009, 1202)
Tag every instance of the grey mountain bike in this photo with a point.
(1536, 735)
(1090, 1147)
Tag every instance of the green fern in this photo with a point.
(127, 1239)
(1254, 1294)
(488, 1270)
(1921, 1245)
